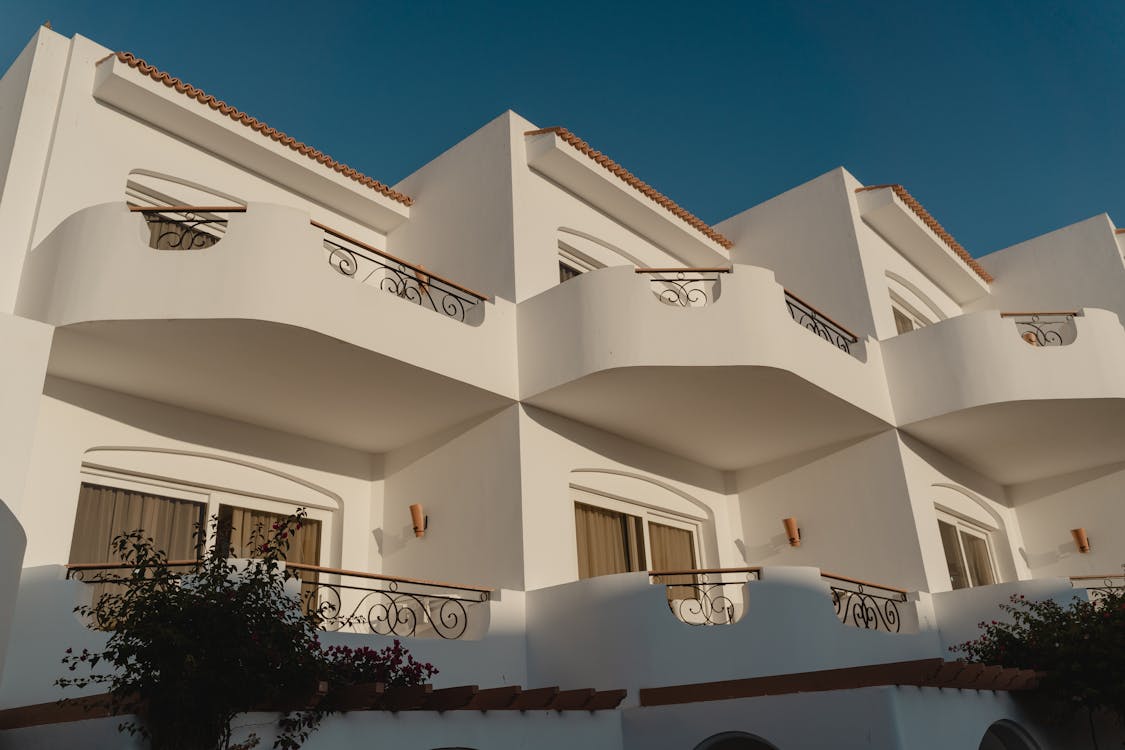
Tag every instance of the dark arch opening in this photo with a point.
(1007, 735)
(735, 741)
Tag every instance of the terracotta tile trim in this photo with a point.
(257, 125)
(920, 673)
(927, 219)
(633, 181)
(1119, 231)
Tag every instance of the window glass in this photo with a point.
(106, 512)
(902, 322)
(567, 272)
(958, 576)
(608, 542)
(977, 559)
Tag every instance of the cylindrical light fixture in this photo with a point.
(420, 519)
(1081, 540)
(792, 531)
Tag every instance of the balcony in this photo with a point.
(719, 597)
(351, 601)
(618, 629)
(989, 388)
(259, 315)
(722, 366)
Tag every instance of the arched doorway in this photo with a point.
(1007, 735)
(734, 741)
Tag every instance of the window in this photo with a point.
(574, 263)
(110, 503)
(105, 512)
(618, 537)
(567, 272)
(967, 553)
(903, 323)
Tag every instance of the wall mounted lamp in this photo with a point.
(792, 531)
(420, 519)
(1081, 541)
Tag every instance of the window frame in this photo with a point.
(907, 311)
(648, 514)
(963, 525)
(211, 499)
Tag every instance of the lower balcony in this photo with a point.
(259, 315)
(722, 366)
(1016, 396)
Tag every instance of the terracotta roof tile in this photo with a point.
(258, 126)
(643, 187)
(927, 219)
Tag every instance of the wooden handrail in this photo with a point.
(123, 566)
(717, 269)
(416, 269)
(824, 574)
(843, 328)
(694, 571)
(188, 209)
(1106, 577)
(1071, 313)
(299, 566)
(381, 577)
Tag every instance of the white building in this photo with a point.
(573, 377)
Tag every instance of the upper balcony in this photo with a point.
(260, 315)
(1017, 396)
(727, 368)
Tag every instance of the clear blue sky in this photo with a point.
(1004, 118)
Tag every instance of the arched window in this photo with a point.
(735, 741)
(1007, 735)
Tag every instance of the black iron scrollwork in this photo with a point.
(400, 279)
(384, 609)
(686, 288)
(704, 598)
(1046, 330)
(186, 230)
(862, 608)
(812, 319)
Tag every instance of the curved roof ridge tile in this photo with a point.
(640, 185)
(258, 126)
(928, 219)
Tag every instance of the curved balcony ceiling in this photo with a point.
(277, 376)
(726, 417)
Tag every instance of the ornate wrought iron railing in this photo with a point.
(819, 323)
(350, 600)
(685, 287)
(354, 601)
(1045, 328)
(862, 604)
(185, 227)
(369, 265)
(1098, 586)
(706, 596)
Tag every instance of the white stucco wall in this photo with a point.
(852, 504)
(468, 482)
(1070, 268)
(807, 237)
(556, 452)
(12, 544)
(191, 448)
(1049, 508)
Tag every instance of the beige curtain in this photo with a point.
(236, 532)
(673, 549)
(106, 512)
(980, 565)
(608, 542)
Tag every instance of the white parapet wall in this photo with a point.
(12, 544)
